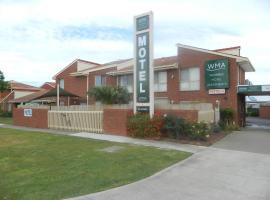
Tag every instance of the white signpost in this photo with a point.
(143, 95)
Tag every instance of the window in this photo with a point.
(100, 80)
(126, 81)
(190, 79)
(160, 83)
(62, 83)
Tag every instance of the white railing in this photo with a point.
(91, 121)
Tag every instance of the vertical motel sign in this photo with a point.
(143, 64)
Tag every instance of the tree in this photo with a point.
(110, 94)
(3, 83)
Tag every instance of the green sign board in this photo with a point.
(142, 23)
(143, 96)
(249, 88)
(142, 69)
(217, 74)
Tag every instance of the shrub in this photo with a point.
(199, 131)
(175, 127)
(5, 114)
(178, 128)
(110, 94)
(142, 126)
(226, 115)
(226, 120)
(253, 112)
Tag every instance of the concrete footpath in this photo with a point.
(212, 174)
(114, 138)
(152, 143)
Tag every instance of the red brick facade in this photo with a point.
(115, 121)
(187, 58)
(73, 84)
(39, 118)
(264, 112)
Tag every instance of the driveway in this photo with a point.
(254, 138)
(238, 171)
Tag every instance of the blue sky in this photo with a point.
(40, 37)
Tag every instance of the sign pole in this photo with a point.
(143, 95)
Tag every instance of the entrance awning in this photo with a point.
(253, 90)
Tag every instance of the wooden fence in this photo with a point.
(91, 121)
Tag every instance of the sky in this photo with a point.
(38, 38)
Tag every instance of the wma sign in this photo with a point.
(217, 74)
(143, 66)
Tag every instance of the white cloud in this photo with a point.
(32, 32)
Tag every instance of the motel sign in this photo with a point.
(143, 65)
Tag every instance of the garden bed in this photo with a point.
(213, 138)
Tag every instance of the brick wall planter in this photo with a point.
(115, 120)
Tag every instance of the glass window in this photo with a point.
(62, 83)
(190, 79)
(126, 81)
(100, 80)
(160, 82)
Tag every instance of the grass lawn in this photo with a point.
(6, 120)
(40, 166)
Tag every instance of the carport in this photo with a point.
(250, 90)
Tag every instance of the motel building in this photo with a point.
(194, 84)
(195, 76)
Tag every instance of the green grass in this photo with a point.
(6, 120)
(40, 166)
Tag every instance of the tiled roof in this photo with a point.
(29, 97)
(21, 86)
(52, 84)
(164, 61)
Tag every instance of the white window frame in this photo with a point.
(190, 82)
(159, 84)
(128, 86)
(102, 80)
(62, 83)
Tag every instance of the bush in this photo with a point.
(226, 120)
(226, 115)
(253, 112)
(175, 127)
(142, 126)
(178, 128)
(199, 131)
(5, 114)
(110, 94)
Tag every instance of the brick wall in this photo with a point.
(264, 112)
(39, 118)
(115, 120)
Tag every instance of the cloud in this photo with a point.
(40, 37)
